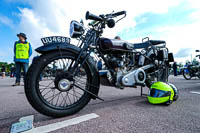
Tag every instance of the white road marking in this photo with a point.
(62, 124)
(24, 124)
(194, 92)
(30, 117)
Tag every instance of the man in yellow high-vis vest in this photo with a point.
(22, 53)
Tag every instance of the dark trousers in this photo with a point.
(19, 66)
(11, 74)
(175, 72)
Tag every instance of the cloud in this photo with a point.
(53, 17)
(6, 21)
(148, 22)
(184, 52)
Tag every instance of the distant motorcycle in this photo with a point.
(191, 71)
(75, 80)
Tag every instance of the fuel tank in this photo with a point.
(113, 45)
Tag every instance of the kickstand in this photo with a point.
(142, 94)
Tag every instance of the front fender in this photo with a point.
(76, 50)
(55, 47)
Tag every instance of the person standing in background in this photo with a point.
(22, 53)
(175, 69)
(12, 70)
(3, 71)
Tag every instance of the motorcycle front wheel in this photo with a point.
(57, 93)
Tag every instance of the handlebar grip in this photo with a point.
(92, 17)
(119, 13)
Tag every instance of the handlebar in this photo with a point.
(101, 17)
(119, 13)
(92, 17)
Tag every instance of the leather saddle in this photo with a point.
(143, 44)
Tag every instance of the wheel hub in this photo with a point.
(64, 85)
(63, 81)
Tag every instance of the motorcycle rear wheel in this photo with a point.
(60, 96)
(164, 73)
(187, 75)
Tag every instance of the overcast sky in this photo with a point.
(175, 21)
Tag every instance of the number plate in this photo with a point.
(55, 40)
(21, 126)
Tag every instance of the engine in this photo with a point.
(126, 72)
(132, 67)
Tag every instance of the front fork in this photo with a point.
(75, 69)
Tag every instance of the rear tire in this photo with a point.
(198, 75)
(34, 94)
(186, 75)
(164, 73)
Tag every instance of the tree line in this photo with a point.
(7, 65)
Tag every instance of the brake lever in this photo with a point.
(121, 18)
(102, 16)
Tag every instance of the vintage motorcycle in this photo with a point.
(76, 80)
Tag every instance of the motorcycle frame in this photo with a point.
(89, 45)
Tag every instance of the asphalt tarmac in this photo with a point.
(123, 111)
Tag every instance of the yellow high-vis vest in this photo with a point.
(22, 50)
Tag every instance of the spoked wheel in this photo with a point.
(187, 74)
(198, 73)
(198, 76)
(163, 73)
(58, 94)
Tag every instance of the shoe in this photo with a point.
(16, 84)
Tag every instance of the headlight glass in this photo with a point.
(76, 29)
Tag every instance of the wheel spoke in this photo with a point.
(49, 85)
(77, 92)
(65, 99)
(58, 97)
(47, 93)
(62, 100)
(73, 95)
(69, 98)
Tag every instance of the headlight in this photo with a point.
(76, 29)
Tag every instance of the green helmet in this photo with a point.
(160, 92)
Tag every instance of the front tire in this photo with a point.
(49, 106)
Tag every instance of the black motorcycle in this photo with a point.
(191, 71)
(75, 79)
